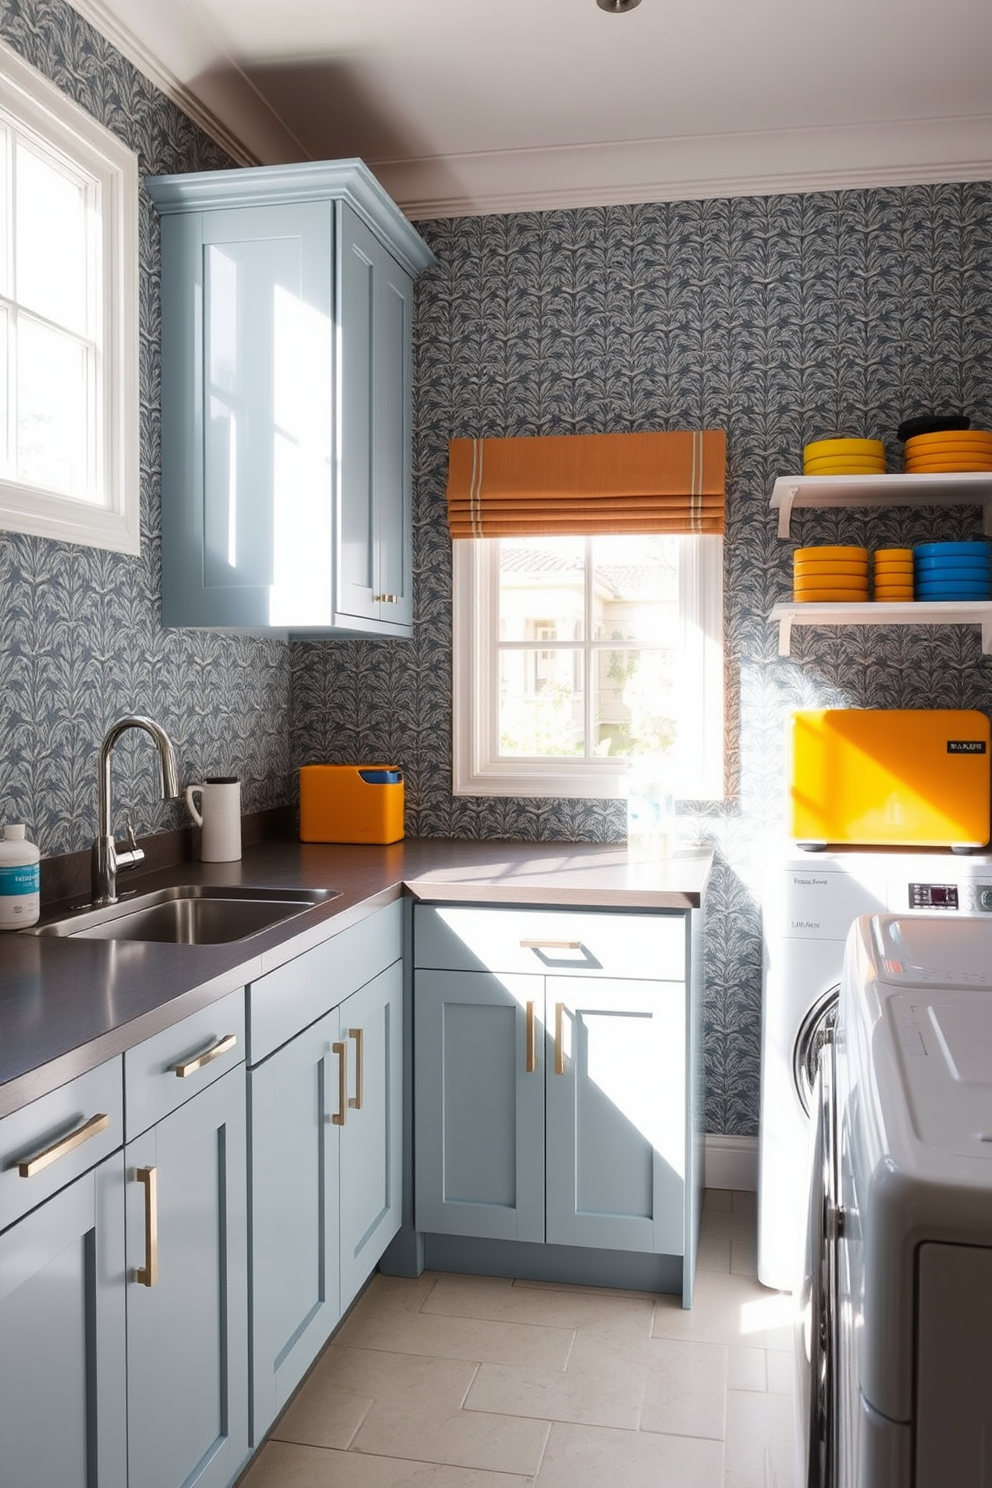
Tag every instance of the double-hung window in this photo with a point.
(577, 653)
(68, 319)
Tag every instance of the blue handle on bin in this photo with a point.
(381, 777)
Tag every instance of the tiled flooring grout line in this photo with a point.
(418, 1427)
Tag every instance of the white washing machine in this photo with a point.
(894, 1363)
(811, 901)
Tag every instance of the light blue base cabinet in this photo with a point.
(63, 1393)
(287, 295)
(326, 1139)
(187, 1334)
(123, 1277)
(294, 1215)
(186, 1231)
(555, 1072)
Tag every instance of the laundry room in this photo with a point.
(828, 328)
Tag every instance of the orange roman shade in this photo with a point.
(580, 483)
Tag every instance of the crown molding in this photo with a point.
(694, 167)
(166, 43)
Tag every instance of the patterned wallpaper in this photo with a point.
(780, 319)
(81, 641)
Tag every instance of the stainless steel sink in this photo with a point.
(188, 915)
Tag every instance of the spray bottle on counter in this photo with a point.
(20, 879)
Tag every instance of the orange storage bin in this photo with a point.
(351, 803)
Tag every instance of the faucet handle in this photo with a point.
(132, 855)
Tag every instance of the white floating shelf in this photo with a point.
(955, 488)
(869, 612)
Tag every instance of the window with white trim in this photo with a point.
(574, 655)
(68, 319)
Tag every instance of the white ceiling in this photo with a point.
(469, 106)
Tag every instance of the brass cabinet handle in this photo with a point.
(530, 1058)
(357, 1100)
(551, 945)
(147, 1275)
(64, 1145)
(222, 1046)
(339, 1116)
(386, 598)
(559, 1038)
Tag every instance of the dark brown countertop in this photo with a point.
(67, 1005)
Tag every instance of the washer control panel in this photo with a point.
(968, 897)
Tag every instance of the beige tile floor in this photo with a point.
(478, 1382)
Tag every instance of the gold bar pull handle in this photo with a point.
(64, 1145)
(147, 1275)
(222, 1046)
(386, 598)
(551, 945)
(559, 1038)
(339, 1116)
(357, 1100)
(530, 1056)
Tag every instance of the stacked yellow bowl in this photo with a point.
(830, 575)
(844, 457)
(893, 578)
(955, 449)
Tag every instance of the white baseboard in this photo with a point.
(731, 1162)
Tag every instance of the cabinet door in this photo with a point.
(187, 1335)
(372, 1136)
(616, 1144)
(294, 1097)
(479, 1082)
(62, 1339)
(374, 558)
(247, 348)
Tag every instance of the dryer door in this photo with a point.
(814, 1030)
(816, 1316)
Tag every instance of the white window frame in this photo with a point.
(477, 769)
(33, 107)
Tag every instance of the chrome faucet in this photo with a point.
(107, 858)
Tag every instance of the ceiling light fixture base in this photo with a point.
(617, 7)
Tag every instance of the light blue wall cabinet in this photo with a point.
(62, 1387)
(555, 1088)
(186, 1253)
(375, 580)
(62, 1297)
(326, 1140)
(287, 296)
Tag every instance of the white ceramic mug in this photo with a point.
(220, 821)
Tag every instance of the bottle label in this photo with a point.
(23, 879)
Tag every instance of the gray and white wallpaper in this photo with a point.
(779, 319)
(81, 640)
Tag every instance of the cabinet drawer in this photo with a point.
(546, 941)
(48, 1143)
(297, 994)
(164, 1071)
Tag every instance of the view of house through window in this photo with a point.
(589, 632)
(576, 655)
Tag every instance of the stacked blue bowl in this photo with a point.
(952, 570)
